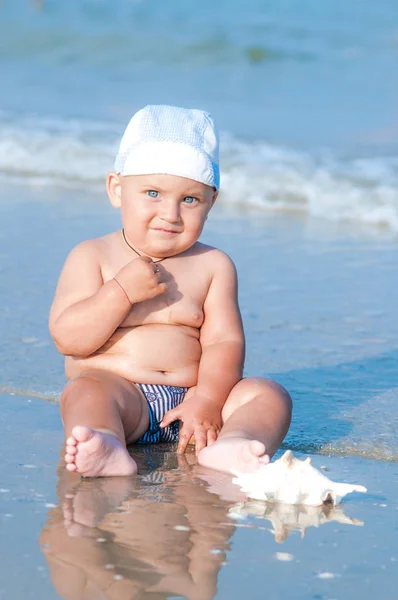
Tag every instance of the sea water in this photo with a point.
(305, 94)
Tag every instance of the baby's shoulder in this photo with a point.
(215, 259)
(95, 249)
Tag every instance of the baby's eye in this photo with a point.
(190, 200)
(153, 193)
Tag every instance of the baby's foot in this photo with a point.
(86, 505)
(95, 453)
(235, 453)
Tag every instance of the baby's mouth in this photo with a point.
(166, 231)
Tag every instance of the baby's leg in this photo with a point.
(100, 412)
(256, 418)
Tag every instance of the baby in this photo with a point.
(148, 317)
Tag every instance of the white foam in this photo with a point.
(257, 174)
(275, 178)
(55, 151)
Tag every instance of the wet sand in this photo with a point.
(319, 304)
(178, 530)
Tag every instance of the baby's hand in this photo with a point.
(141, 279)
(199, 418)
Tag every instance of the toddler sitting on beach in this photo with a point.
(148, 317)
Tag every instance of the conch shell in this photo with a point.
(292, 481)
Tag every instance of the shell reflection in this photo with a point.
(288, 518)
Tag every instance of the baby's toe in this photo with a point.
(257, 448)
(69, 458)
(82, 433)
(71, 441)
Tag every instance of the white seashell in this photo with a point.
(292, 481)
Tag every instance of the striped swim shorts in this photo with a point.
(160, 399)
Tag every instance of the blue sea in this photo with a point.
(305, 94)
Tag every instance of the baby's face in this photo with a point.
(163, 215)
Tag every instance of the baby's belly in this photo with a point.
(154, 353)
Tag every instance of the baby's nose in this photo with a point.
(170, 212)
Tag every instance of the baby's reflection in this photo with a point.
(157, 536)
(163, 534)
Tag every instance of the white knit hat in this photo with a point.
(171, 141)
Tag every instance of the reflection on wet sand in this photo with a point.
(287, 518)
(160, 535)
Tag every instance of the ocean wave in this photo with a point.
(369, 451)
(281, 179)
(253, 174)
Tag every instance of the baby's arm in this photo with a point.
(221, 363)
(86, 311)
(221, 335)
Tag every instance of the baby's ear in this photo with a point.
(113, 187)
(215, 195)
